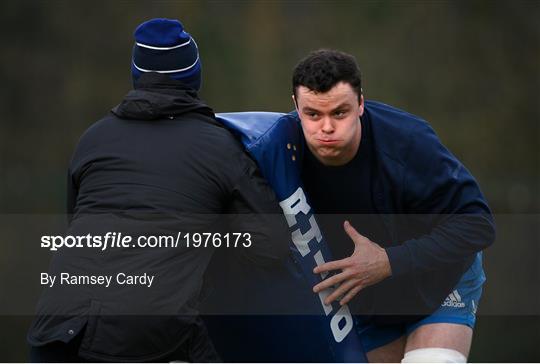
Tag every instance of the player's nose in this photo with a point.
(327, 125)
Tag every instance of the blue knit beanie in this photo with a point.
(162, 45)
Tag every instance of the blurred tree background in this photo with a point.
(471, 68)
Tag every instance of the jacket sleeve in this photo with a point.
(254, 208)
(439, 190)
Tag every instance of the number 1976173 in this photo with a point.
(217, 240)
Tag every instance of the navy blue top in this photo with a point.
(434, 217)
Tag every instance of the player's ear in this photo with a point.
(361, 105)
(295, 103)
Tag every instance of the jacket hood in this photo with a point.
(157, 96)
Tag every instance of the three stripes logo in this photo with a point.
(453, 300)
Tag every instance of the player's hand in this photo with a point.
(367, 265)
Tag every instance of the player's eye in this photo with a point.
(340, 114)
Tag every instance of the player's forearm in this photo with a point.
(452, 241)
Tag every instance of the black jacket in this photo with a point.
(159, 164)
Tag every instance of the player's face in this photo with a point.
(331, 122)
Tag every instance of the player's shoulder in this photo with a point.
(392, 119)
(394, 130)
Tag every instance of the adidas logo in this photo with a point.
(453, 300)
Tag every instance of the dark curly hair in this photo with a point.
(323, 69)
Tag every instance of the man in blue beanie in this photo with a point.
(158, 165)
